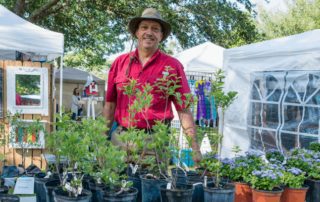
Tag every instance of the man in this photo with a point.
(146, 64)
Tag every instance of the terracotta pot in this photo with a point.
(266, 196)
(243, 192)
(296, 195)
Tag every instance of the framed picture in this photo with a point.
(27, 134)
(27, 90)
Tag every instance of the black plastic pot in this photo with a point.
(49, 187)
(128, 196)
(182, 193)
(150, 189)
(135, 179)
(197, 183)
(4, 189)
(181, 177)
(9, 198)
(97, 191)
(225, 194)
(136, 184)
(39, 185)
(62, 196)
(313, 194)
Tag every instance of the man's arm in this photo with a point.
(108, 112)
(189, 129)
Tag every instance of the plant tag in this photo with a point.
(48, 174)
(205, 181)
(68, 187)
(185, 166)
(169, 185)
(123, 183)
(79, 190)
(133, 168)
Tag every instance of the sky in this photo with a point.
(273, 5)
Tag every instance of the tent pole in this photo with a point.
(61, 85)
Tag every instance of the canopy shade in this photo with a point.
(206, 57)
(17, 34)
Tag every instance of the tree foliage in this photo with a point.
(93, 29)
(301, 16)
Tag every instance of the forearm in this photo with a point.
(108, 112)
(189, 127)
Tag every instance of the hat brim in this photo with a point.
(134, 23)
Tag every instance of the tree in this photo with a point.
(93, 29)
(301, 16)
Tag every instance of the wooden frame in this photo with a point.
(12, 106)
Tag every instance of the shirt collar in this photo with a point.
(153, 57)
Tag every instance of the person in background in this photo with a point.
(146, 64)
(76, 107)
(18, 99)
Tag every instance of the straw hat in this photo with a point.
(150, 14)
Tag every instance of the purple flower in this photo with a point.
(257, 173)
(254, 153)
(227, 161)
(295, 171)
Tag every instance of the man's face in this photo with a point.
(149, 34)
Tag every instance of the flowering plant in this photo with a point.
(300, 158)
(267, 178)
(242, 166)
(314, 146)
(294, 178)
(314, 172)
(274, 156)
(217, 168)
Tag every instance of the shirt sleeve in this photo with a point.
(184, 89)
(111, 94)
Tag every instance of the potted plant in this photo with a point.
(313, 179)
(241, 172)
(293, 179)
(266, 182)
(222, 100)
(274, 156)
(112, 168)
(134, 140)
(314, 146)
(137, 143)
(70, 141)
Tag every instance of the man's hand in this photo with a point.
(197, 156)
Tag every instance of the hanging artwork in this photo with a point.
(27, 134)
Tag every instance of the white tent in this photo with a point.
(17, 34)
(278, 85)
(72, 75)
(206, 57)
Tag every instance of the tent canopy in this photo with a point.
(206, 57)
(268, 76)
(17, 34)
(72, 75)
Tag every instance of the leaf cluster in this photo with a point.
(93, 29)
(222, 99)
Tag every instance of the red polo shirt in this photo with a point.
(152, 70)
